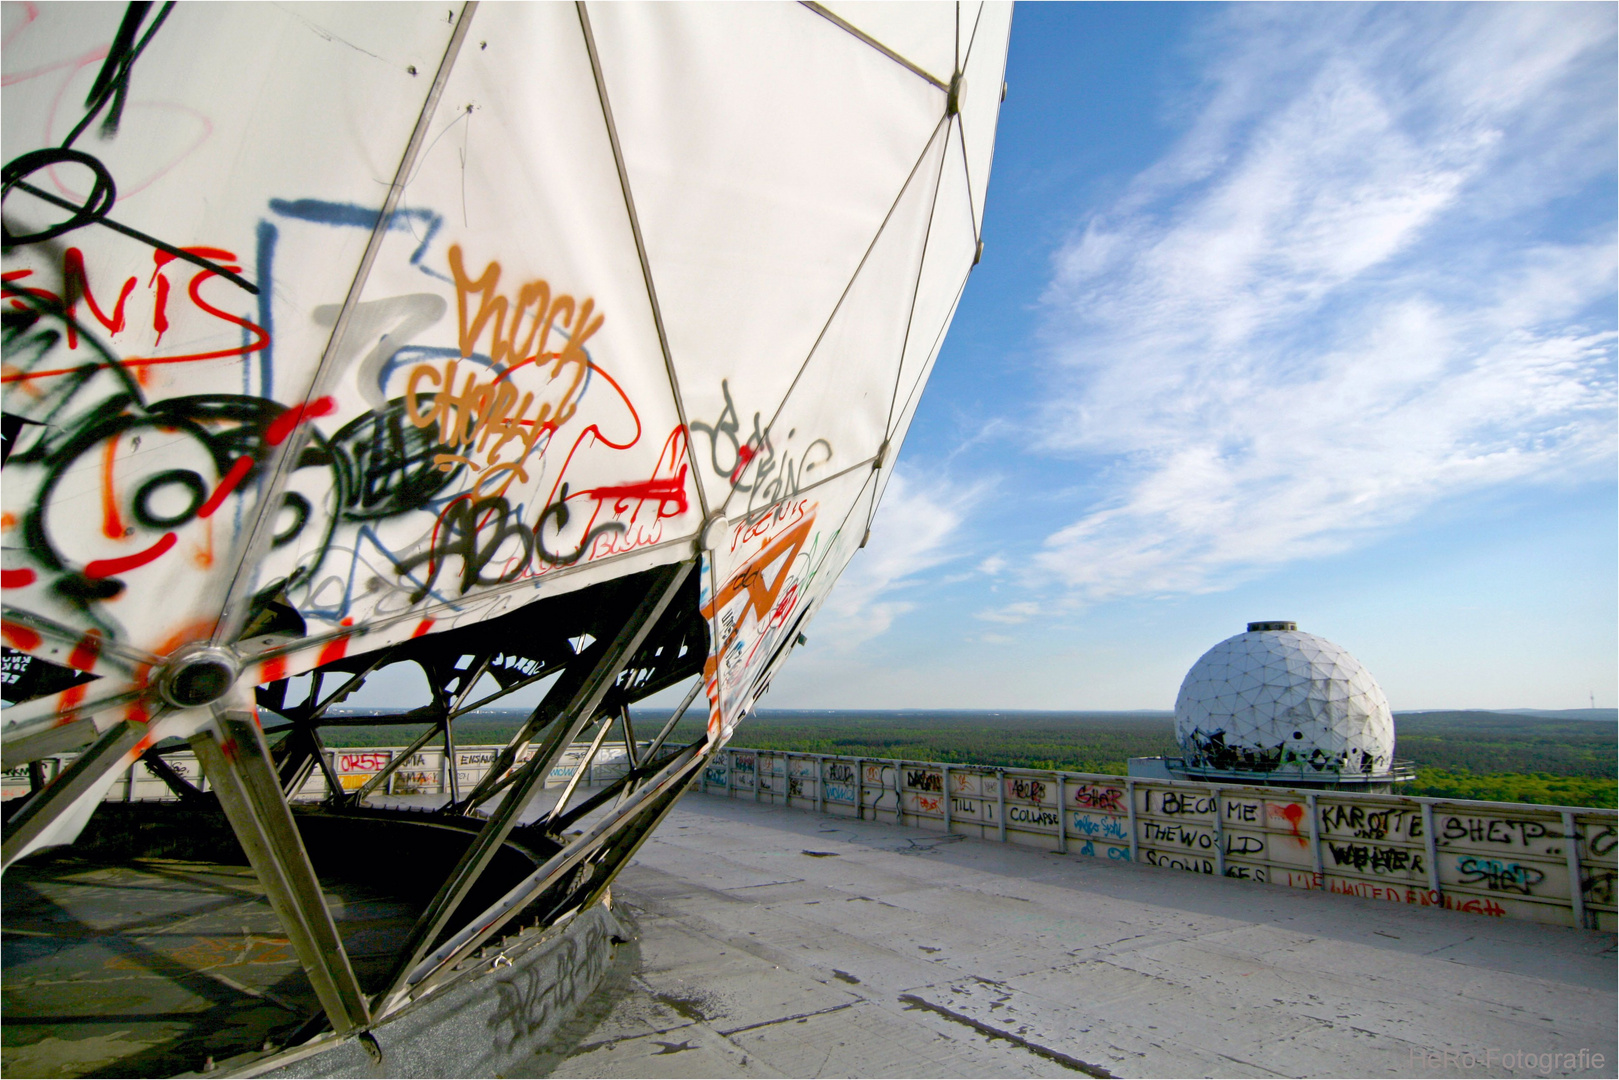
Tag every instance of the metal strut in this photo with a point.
(49, 803)
(585, 694)
(236, 761)
(626, 823)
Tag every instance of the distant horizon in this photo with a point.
(1598, 713)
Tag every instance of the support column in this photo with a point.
(1430, 847)
(1000, 802)
(899, 795)
(1315, 843)
(454, 776)
(1576, 883)
(1062, 814)
(1135, 842)
(234, 756)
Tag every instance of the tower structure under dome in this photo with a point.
(1278, 706)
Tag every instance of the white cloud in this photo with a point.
(1011, 614)
(1349, 292)
(914, 531)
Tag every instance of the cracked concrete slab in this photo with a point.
(779, 942)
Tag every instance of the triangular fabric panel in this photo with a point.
(522, 359)
(930, 42)
(764, 147)
(817, 434)
(759, 579)
(137, 526)
(951, 243)
(848, 540)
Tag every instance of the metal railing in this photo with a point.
(1511, 860)
(427, 772)
(1514, 860)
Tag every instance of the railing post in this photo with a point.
(1576, 886)
(1000, 802)
(1219, 832)
(1062, 814)
(1430, 846)
(860, 788)
(1135, 841)
(730, 774)
(947, 797)
(1315, 842)
(820, 783)
(899, 797)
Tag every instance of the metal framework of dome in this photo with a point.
(529, 341)
(1284, 706)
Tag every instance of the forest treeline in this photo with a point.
(1461, 755)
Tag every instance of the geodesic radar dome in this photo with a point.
(1275, 698)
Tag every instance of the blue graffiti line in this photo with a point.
(356, 560)
(264, 268)
(1105, 826)
(348, 215)
(322, 212)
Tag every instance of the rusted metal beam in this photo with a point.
(584, 700)
(584, 766)
(393, 766)
(236, 761)
(183, 789)
(623, 823)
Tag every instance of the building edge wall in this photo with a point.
(503, 1009)
(1511, 860)
(1506, 859)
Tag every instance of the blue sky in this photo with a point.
(1295, 312)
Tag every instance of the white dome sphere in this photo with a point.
(1275, 698)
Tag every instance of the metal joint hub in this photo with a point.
(198, 676)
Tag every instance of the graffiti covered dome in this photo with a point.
(1275, 698)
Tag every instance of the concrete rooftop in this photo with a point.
(781, 942)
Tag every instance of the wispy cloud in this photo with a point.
(914, 531)
(1020, 611)
(1353, 288)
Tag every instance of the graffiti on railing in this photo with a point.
(1513, 861)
